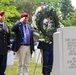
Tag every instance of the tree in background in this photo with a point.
(68, 13)
(66, 8)
(31, 5)
(72, 20)
(11, 13)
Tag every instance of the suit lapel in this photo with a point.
(21, 29)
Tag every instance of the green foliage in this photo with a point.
(7, 1)
(11, 13)
(71, 21)
(66, 8)
(30, 5)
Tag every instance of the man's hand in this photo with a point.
(22, 19)
(8, 51)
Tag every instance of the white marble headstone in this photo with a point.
(65, 51)
(10, 58)
(37, 54)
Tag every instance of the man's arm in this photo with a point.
(16, 25)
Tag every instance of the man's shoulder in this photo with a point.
(18, 23)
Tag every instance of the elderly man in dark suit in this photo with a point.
(4, 43)
(23, 43)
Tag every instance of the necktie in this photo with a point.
(27, 35)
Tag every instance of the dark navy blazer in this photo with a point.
(18, 29)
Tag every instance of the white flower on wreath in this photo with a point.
(33, 22)
(42, 7)
(37, 13)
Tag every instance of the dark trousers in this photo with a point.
(47, 61)
(3, 63)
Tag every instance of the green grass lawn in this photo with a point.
(12, 70)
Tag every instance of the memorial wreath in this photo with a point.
(46, 19)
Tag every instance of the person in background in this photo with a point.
(4, 43)
(48, 58)
(47, 55)
(23, 43)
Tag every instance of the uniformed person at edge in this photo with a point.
(4, 43)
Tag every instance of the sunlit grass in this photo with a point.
(33, 68)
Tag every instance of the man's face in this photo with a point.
(1, 18)
(25, 20)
